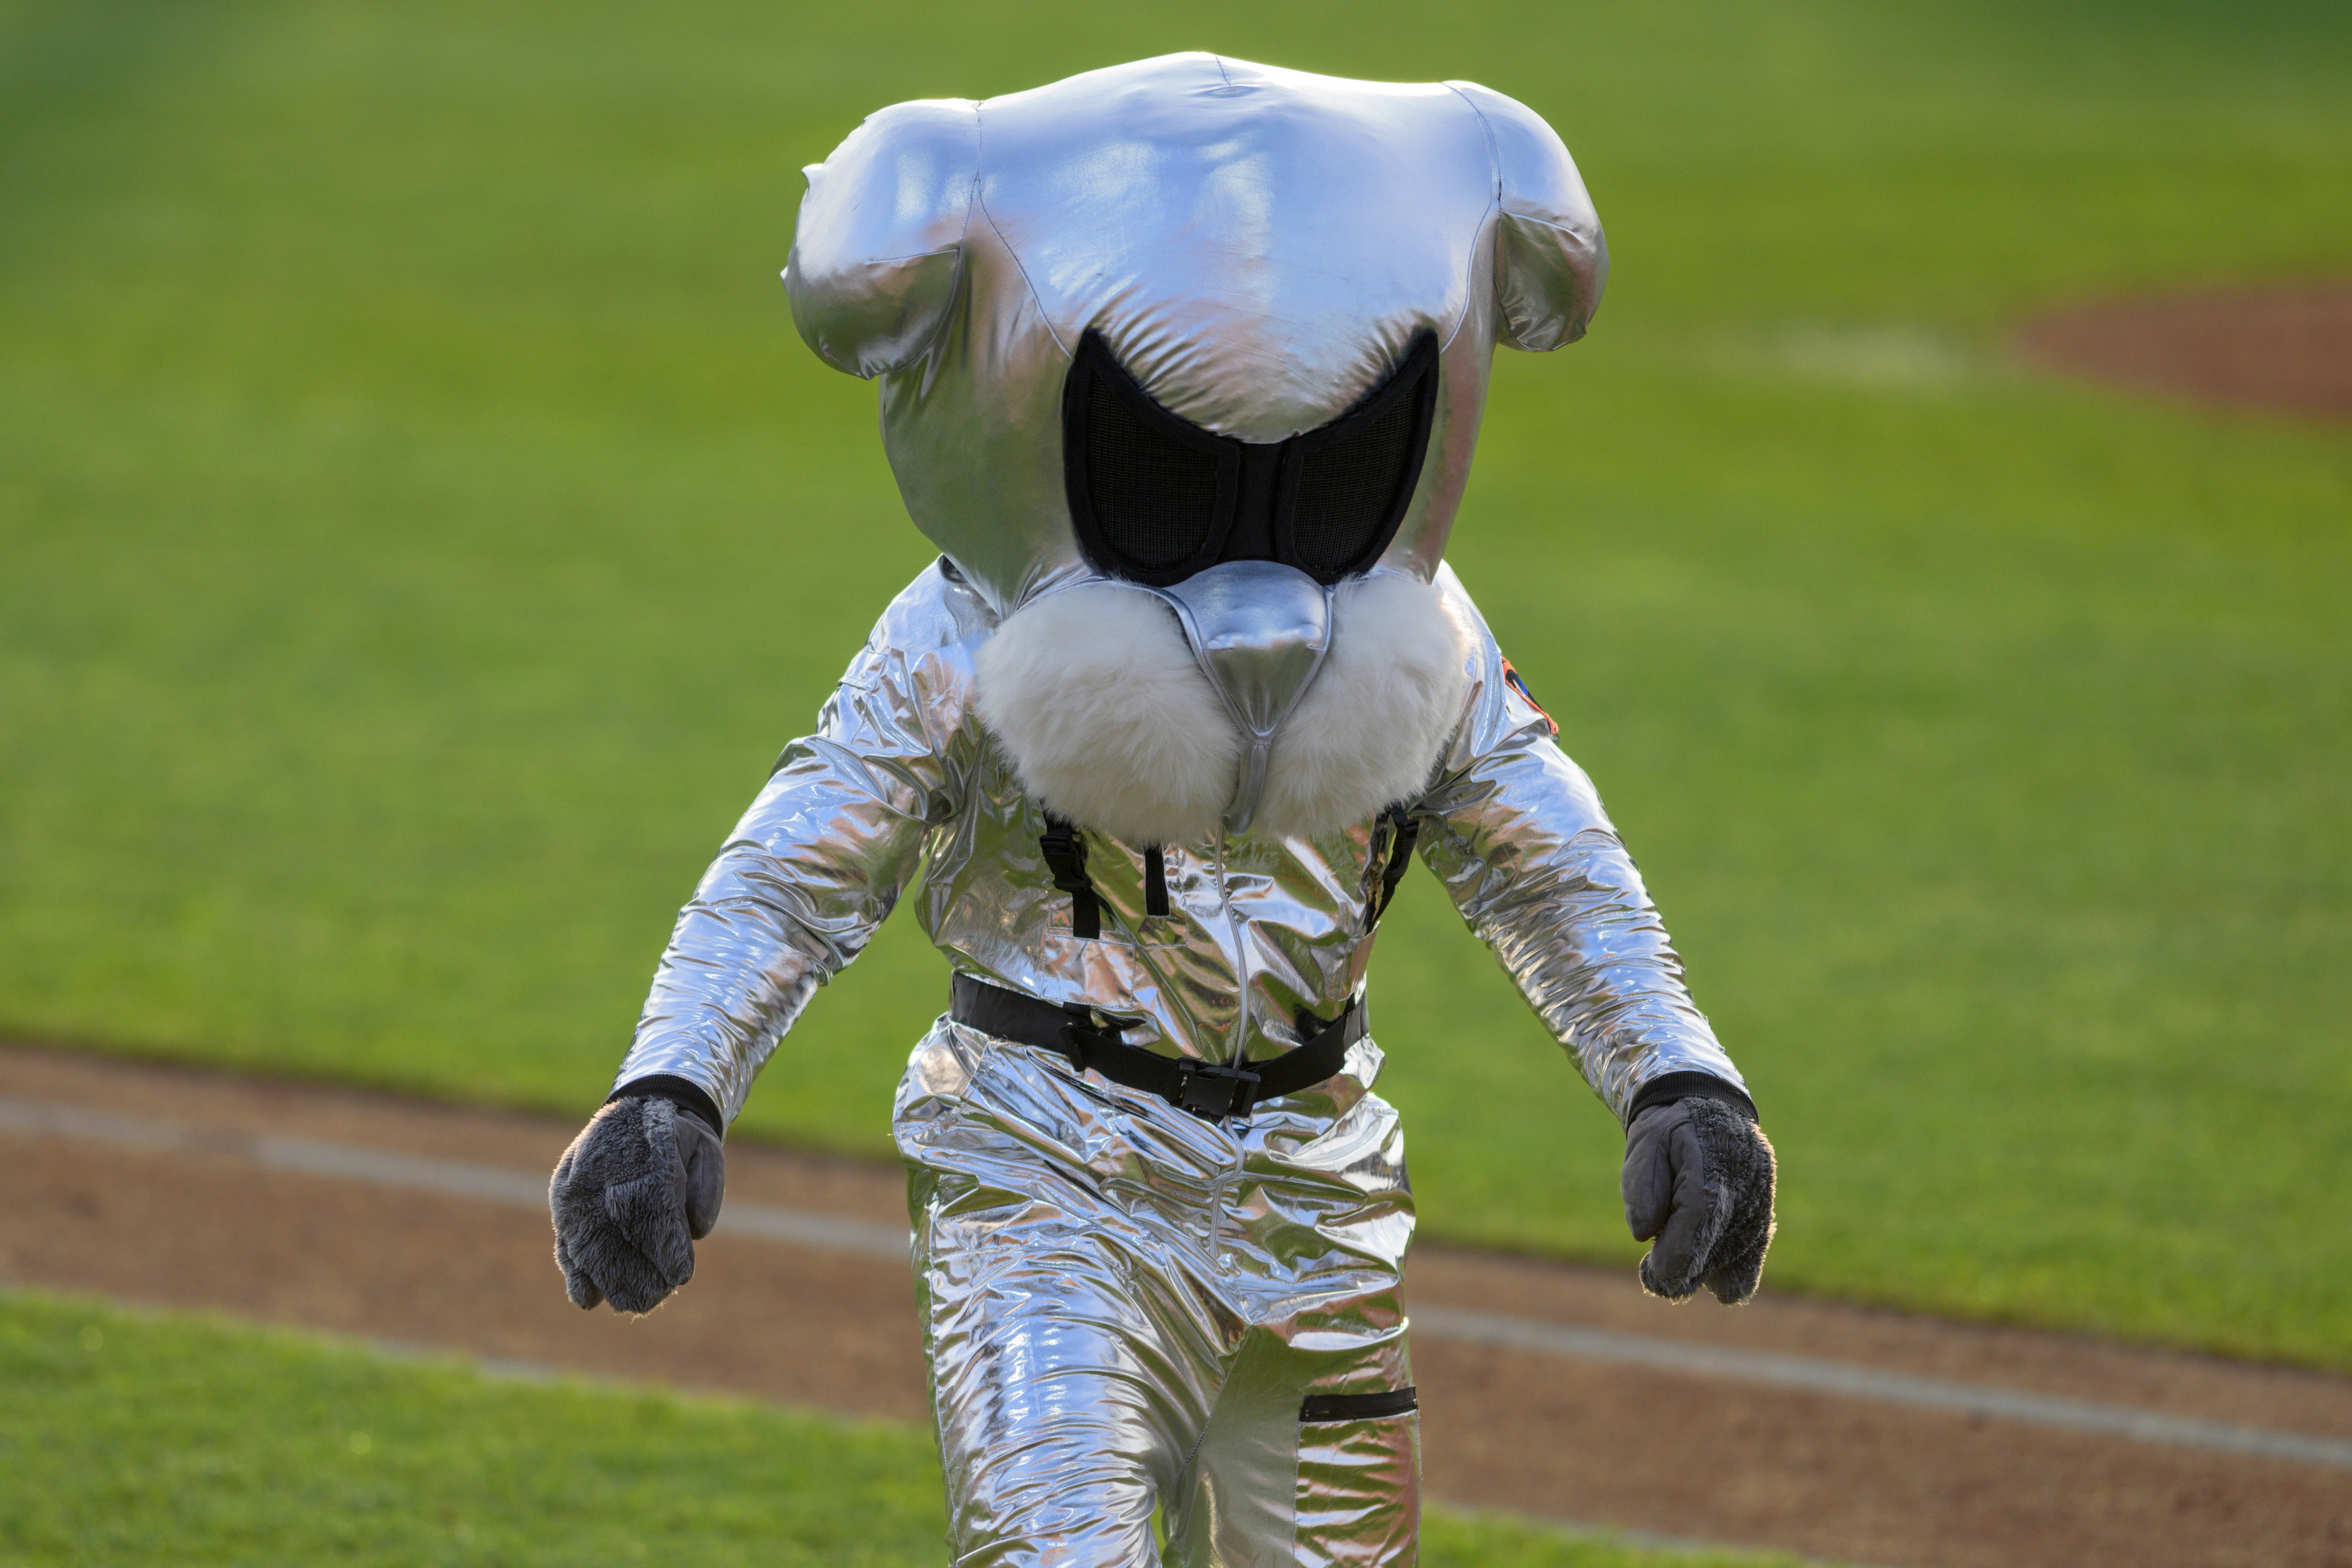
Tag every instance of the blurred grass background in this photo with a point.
(182, 1438)
(420, 526)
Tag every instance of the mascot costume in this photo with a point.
(1181, 365)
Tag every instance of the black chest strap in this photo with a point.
(1399, 831)
(1065, 849)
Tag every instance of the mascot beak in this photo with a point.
(1260, 630)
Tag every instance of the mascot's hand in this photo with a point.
(636, 1189)
(1698, 1176)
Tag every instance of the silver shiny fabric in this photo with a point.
(900, 779)
(1258, 246)
(1125, 1305)
(1260, 630)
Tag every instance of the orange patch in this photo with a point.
(1521, 686)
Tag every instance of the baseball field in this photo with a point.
(189, 1439)
(420, 526)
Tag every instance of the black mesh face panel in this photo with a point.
(1154, 500)
(1348, 491)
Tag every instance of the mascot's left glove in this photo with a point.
(638, 1187)
(1699, 1176)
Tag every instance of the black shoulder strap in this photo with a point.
(1403, 831)
(1065, 856)
(1155, 880)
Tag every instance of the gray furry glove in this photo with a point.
(1699, 1176)
(636, 1189)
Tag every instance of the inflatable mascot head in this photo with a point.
(1182, 367)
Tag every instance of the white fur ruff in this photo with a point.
(1369, 731)
(1110, 722)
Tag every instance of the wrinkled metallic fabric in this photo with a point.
(900, 778)
(1125, 1305)
(1258, 246)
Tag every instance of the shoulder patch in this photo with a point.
(1519, 685)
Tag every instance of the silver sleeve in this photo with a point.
(820, 859)
(1515, 832)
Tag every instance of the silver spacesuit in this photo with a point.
(1128, 1304)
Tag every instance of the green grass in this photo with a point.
(419, 526)
(136, 1438)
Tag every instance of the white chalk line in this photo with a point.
(833, 1233)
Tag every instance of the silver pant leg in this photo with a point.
(1360, 1491)
(1066, 1388)
(1266, 1489)
(1125, 1306)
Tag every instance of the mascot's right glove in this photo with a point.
(638, 1187)
(1699, 1177)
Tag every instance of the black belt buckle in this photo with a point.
(1213, 1093)
(1082, 1037)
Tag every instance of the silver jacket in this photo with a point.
(901, 784)
(1258, 247)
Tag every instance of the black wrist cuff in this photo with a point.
(1668, 1088)
(682, 1092)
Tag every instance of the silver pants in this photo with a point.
(1126, 1310)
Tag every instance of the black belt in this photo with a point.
(1204, 1088)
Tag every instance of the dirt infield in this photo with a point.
(2284, 349)
(415, 1223)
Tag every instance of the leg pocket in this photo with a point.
(1358, 1500)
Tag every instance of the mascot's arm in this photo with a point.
(1516, 833)
(807, 876)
